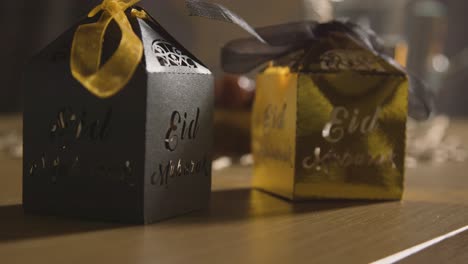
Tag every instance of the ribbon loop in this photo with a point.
(106, 80)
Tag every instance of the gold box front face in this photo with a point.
(330, 134)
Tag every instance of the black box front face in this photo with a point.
(178, 148)
(178, 129)
(100, 158)
(82, 154)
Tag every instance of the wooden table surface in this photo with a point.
(248, 226)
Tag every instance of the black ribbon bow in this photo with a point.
(273, 42)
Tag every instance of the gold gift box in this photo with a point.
(332, 128)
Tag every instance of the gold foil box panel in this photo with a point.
(274, 131)
(349, 140)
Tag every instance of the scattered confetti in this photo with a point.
(11, 143)
(222, 163)
(428, 142)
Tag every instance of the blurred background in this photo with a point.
(432, 30)
(426, 35)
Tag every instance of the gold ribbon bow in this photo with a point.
(86, 51)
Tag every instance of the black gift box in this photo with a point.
(140, 156)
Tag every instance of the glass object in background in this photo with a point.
(427, 31)
(319, 10)
(427, 36)
(453, 93)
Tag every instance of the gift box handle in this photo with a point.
(106, 80)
